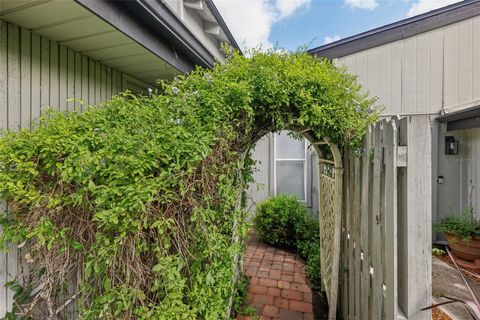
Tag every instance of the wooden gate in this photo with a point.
(385, 239)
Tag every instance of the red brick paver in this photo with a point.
(278, 283)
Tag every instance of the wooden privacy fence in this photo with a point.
(385, 264)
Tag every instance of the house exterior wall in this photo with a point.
(264, 176)
(432, 73)
(36, 73)
(424, 74)
(463, 170)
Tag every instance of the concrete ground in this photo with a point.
(447, 282)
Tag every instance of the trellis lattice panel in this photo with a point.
(329, 224)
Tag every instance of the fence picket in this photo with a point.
(390, 266)
(382, 277)
(351, 238)
(345, 227)
(364, 226)
(376, 268)
(356, 258)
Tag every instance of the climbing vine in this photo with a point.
(130, 210)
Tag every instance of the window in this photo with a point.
(290, 166)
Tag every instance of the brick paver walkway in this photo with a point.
(278, 283)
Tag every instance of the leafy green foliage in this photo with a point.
(137, 198)
(464, 225)
(283, 221)
(277, 218)
(438, 251)
(240, 302)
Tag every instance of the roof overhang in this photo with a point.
(223, 26)
(142, 38)
(152, 27)
(399, 30)
(152, 22)
(461, 120)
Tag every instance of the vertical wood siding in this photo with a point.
(466, 169)
(472, 157)
(36, 73)
(423, 74)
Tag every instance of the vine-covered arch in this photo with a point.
(130, 209)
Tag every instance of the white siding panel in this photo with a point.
(436, 71)
(451, 65)
(372, 71)
(349, 63)
(396, 63)
(409, 82)
(26, 76)
(362, 69)
(476, 58)
(422, 73)
(465, 62)
(384, 77)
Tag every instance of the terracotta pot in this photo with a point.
(464, 250)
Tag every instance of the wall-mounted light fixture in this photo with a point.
(451, 145)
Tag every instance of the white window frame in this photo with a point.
(275, 159)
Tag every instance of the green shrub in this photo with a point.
(306, 235)
(276, 220)
(464, 225)
(283, 221)
(313, 267)
(138, 197)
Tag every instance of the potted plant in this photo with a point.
(462, 231)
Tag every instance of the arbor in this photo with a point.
(138, 197)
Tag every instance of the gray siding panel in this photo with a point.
(63, 76)
(91, 82)
(36, 73)
(13, 71)
(26, 76)
(35, 77)
(55, 85)
(44, 74)
(85, 78)
(70, 78)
